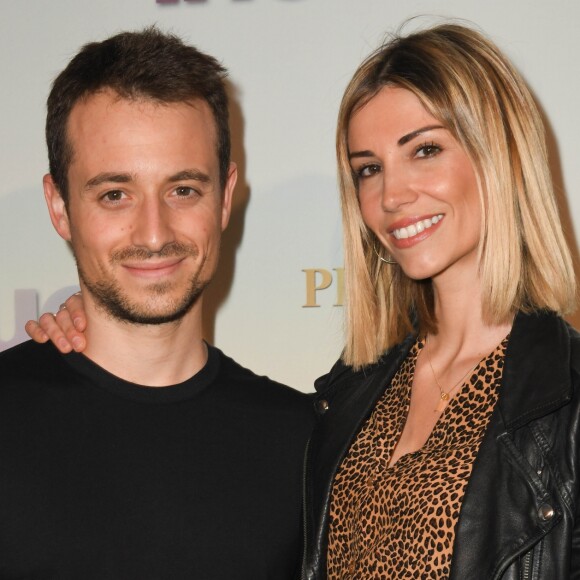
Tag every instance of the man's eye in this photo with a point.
(368, 170)
(184, 191)
(114, 195)
(427, 150)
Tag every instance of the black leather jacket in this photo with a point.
(520, 516)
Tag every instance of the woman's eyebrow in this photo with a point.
(406, 138)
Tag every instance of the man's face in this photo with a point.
(145, 210)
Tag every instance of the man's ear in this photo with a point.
(228, 194)
(56, 208)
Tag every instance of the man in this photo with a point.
(152, 454)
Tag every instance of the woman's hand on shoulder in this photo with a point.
(65, 328)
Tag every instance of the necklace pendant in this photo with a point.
(444, 396)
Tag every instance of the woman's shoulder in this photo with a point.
(574, 336)
(338, 373)
(342, 374)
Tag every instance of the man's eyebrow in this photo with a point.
(190, 175)
(109, 177)
(409, 136)
(112, 177)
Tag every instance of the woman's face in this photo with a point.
(418, 191)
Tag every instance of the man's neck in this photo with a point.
(151, 355)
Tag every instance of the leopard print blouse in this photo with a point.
(399, 521)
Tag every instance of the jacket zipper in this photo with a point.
(526, 565)
(303, 571)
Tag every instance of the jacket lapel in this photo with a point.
(350, 400)
(499, 516)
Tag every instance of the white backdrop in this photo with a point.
(289, 62)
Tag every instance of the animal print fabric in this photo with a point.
(399, 521)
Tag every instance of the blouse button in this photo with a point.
(322, 406)
(546, 512)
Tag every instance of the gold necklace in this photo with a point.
(444, 395)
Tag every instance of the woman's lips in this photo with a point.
(415, 228)
(410, 231)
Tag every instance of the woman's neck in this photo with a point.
(462, 330)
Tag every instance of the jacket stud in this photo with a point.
(546, 512)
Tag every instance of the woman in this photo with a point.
(447, 442)
(448, 439)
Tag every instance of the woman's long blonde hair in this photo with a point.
(466, 83)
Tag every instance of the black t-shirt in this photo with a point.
(104, 479)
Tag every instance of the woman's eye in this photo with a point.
(368, 170)
(427, 150)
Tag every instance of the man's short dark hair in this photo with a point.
(148, 64)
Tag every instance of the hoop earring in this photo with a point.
(385, 260)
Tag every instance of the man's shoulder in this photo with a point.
(260, 387)
(29, 361)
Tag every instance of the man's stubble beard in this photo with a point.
(109, 295)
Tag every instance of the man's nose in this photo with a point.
(152, 227)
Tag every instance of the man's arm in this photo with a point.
(65, 328)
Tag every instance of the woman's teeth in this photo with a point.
(417, 227)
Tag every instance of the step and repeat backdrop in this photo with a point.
(276, 303)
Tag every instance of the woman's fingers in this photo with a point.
(64, 329)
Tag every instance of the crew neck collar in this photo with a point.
(99, 377)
